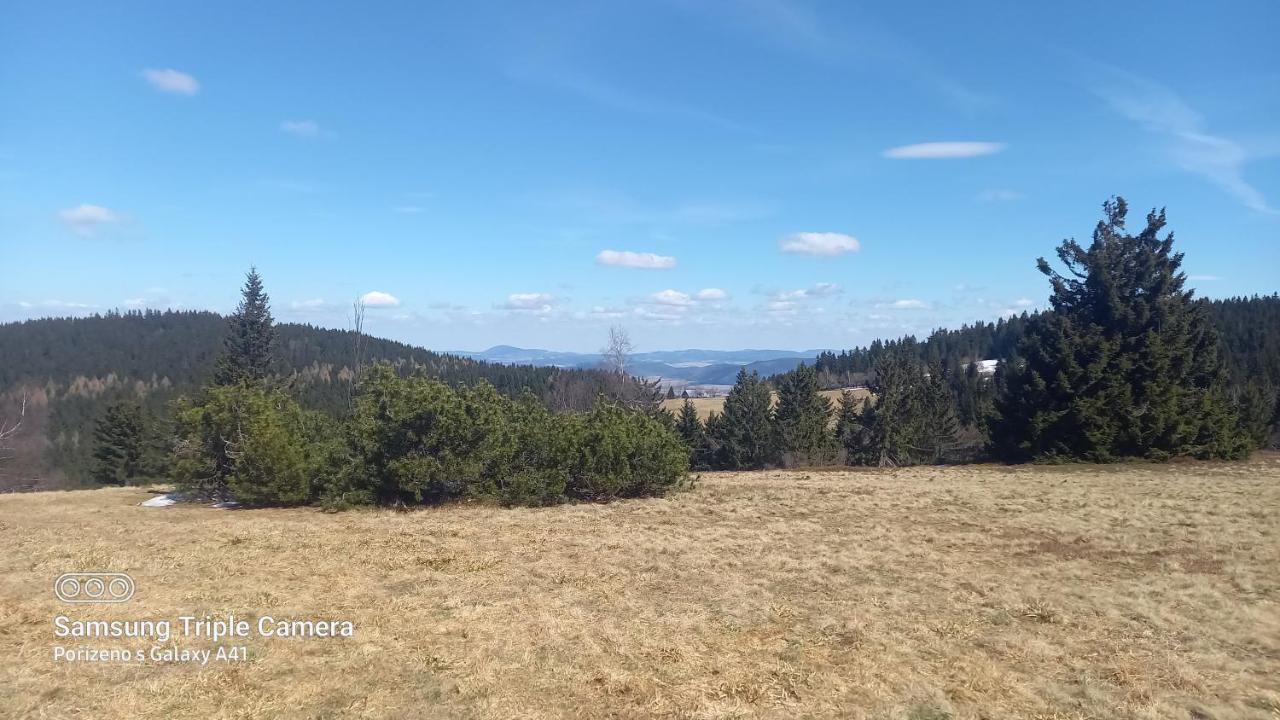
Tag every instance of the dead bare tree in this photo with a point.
(358, 344)
(617, 353)
(8, 431)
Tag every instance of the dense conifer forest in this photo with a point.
(72, 370)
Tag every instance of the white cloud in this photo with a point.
(940, 150)
(1203, 278)
(909, 304)
(541, 302)
(379, 299)
(1188, 144)
(135, 303)
(172, 81)
(86, 219)
(673, 298)
(306, 129)
(312, 305)
(1000, 195)
(627, 258)
(825, 244)
(1023, 302)
(711, 294)
(824, 288)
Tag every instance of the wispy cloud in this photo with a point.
(85, 219)
(172, 81)
(627, 258)
(305, 129)
(1204, 278)
(55, 305)
(1186, 140)
(862, 43)
(1000, 195)
(943, 150)
(823, 244)
(530, 302)
(313, 305)
(614, 97)
(711, 294)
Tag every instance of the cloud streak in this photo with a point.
(943, 150)
(1187, 142)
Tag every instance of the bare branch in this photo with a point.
(10, 431)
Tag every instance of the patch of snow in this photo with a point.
(162, 500)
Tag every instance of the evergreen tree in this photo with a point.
(248, 350)
(912, 420)
(1126, 365)
(691, 431)
(849, 428)
(802, 417)
(940, 425)
(119, 445)
(746, 436)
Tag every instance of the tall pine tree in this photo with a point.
(802, 417)
(119, 445)
(691, 431)
(248, 350)
(745, 430)
(1126, 365)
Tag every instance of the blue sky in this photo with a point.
(707, 174)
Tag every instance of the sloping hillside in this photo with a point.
(70, 369)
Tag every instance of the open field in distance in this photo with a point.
(707, 405)
(1138, 591)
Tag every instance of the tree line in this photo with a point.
(409, 437)
(75, 369)
(1127, 364)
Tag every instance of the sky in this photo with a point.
(706, 174)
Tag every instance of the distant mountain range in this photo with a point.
(693, 367)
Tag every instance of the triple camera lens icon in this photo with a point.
(93, 587)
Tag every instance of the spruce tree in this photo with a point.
(119, 444)
(802, 417)
(1126, 365)
(912, 420)
(746, 435)
(248, 350)
(940, 425)
(849, 427)
(691, 431)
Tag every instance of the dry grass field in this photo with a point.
(1140, 591)
(707, 405)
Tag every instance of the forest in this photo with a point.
(72, 370)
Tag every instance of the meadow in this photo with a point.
(1127, 591)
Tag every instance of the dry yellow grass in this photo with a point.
(708, 405)
(1141, 591)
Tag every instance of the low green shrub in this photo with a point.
(253, 444)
